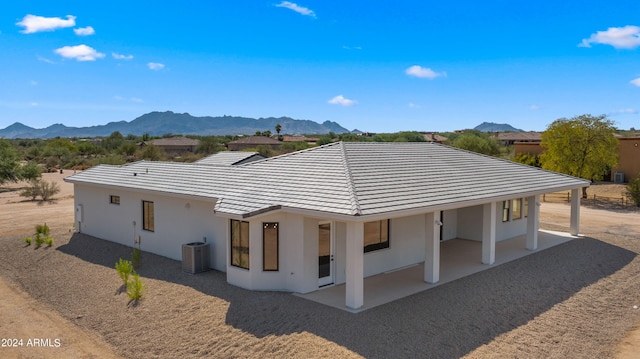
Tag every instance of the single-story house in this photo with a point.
(250, 142)
(174, 145)
(329, 215)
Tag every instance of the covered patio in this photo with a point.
(459, 258)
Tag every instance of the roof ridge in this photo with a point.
(351, 188)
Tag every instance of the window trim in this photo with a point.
(231, 249)
(148, 221)
(380, 245)
(264, 246)
(113, 199)
(513, 209)
(506, 211)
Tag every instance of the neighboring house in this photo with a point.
(628, 157)
(252, 142)
(174, 145)
(328, 215)
(510, 138)
(230, 158)
(433, 137)
(309, 140)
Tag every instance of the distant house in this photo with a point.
(230, 158)
(433, 137)
(298, 138)
(628, 157)
(510, 138)
(251, 142)
(174, 145)
(324, 216)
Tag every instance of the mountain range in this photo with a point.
(496, 127)
(161, 123)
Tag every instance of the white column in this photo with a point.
(489, 233)
(432, 253)
(532, 223)
(574, 227)
(355, 265)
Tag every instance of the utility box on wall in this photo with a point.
(195, 257)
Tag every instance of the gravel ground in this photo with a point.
(574, 300)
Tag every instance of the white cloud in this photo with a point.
(155, 66)
(413, 105)
(33, 83)
(121, 57)
(33, 23)
(534, 107)
(627, 37)
(295, 7)
(40, 58)
(136, 100)
(423, 72)
(34, 104)
(341, 100)
(80, 53)
(636, 81)
(84, 31)
(624, 111)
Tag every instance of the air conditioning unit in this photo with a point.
(195, 257)
(618, 177)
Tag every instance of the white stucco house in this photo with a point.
(329, 215)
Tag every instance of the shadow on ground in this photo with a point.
(450, 320)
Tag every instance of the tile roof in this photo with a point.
(174, 141)
(256, 140)
(352, 179)
(228, 158)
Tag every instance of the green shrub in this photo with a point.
(39, 240)
(136, 257)
(135, 288)
(124, 269)
(28, 240)
(48, 190)
(48, 241)
(633, 191)
(43, 230)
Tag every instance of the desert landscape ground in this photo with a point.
(578, 299)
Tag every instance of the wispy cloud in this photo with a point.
(84, 31)
(33, 83)
(352, 47)
(413, 105)
(423, 72)
(155, 66)
(341, 100)
(297, 8)
(627, 37)
(136, 100)
(624, 111)
(636, 82)
(34, 104)
(534, 107)
(80, 53)
(121, 56)
(34, 23)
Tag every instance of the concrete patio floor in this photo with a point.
(458, 258)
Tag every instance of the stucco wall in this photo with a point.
(629, 158)
(177, 221)
(470, 224)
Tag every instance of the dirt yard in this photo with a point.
(574, 300)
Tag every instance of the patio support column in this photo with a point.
(574, 227)
(533, 221)
(489, 233)
(432, 254)
(355, 265)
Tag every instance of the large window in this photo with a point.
(376, 235)
(240, 244)
(148, 217)
(270, 246)
(114, 199)
(505, 211)
(517, 209)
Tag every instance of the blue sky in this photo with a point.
(373, 66)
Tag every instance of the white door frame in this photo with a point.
(330, 279)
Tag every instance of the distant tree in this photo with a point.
(633, 191)
(30, 172)
(266, 133)
(127, 149)
(264, 150)
(152, 153)
(527, 159)
(146, 137)
(278, 129)
(207, 145)
(476, 141)
(9, 162)
(583, 146)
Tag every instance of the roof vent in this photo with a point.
(135, 174)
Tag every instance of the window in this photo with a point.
(376, 235)
(270, 246)
(505, 211)
(240, 244)
(148, 216)
(114, 199)
(526, 207)
(517, 208)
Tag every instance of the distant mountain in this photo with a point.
(496, 127)
(160, 123)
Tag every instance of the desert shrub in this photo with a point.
(39, 240)
(27, 240)
(124, 268)
(32, 191)
(48, 190)
(136, 257)
(42, 235)
(48, 241)
(135, 288)
(633, 191)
